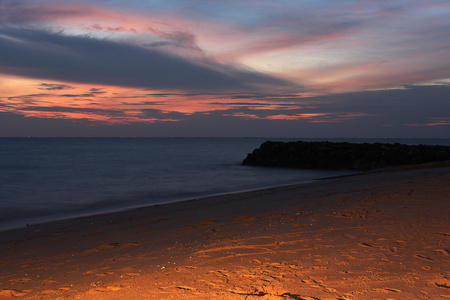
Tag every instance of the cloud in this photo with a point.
(49, 55)
(25, 11)
(161, 115)
(180, 39)
(54, 86)
(62, 109)
(407, 106)
(97, 27)
(145, 103)
(414, 111)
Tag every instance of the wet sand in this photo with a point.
(377, 235)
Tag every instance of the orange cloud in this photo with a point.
(327, 117)
(107, 104)
(119, 105)
(308, 116)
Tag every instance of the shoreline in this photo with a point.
(33, 221)
(379, 234)
(36, 221)
(59, 217)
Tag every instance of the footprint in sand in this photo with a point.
(101, 248)
(388, 290)
(101, 290)
(443, 283)
(206, 223)
(247, 219)
(104, 274)
(189, 289)
(13, 293)
(112, 288)
(423, 257)
(443, 252)
(20, 280)
(131, 275)
(107, 246)
(186, 288)
(49, 292)
(92, 234)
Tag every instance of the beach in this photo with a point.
(377, 235)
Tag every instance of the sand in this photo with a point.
(377, 235)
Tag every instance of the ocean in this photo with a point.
(44, 179)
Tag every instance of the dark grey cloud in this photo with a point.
(63, 109)
(49, 55)
(142, 114)
(54, 86)
(250, 104)
(412, 110)
(30, 96)
(97, 91)
(143, 103)
(178, 39)
(412, 104)
(98, 27)
(225, 95)
(92, 93)
(161, 114)
(263, 96)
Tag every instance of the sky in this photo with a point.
(225, 68)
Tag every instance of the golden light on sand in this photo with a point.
(373, 236)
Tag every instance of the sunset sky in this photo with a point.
(280, 68)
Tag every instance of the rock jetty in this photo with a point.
(348, 156)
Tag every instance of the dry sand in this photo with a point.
(379, 235)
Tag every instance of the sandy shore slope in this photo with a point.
(380, 235)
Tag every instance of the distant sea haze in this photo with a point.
(43, 179)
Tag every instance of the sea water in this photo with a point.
(43, 179)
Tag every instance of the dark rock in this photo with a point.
(350, 156)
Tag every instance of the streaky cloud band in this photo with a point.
(84, 59)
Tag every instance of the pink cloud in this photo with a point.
(251, 41)
(432, 122)
(373, 47)
(90, 18)
(97, 27)
(36, 12)
(417, 68)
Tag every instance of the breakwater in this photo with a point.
(348, 156)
